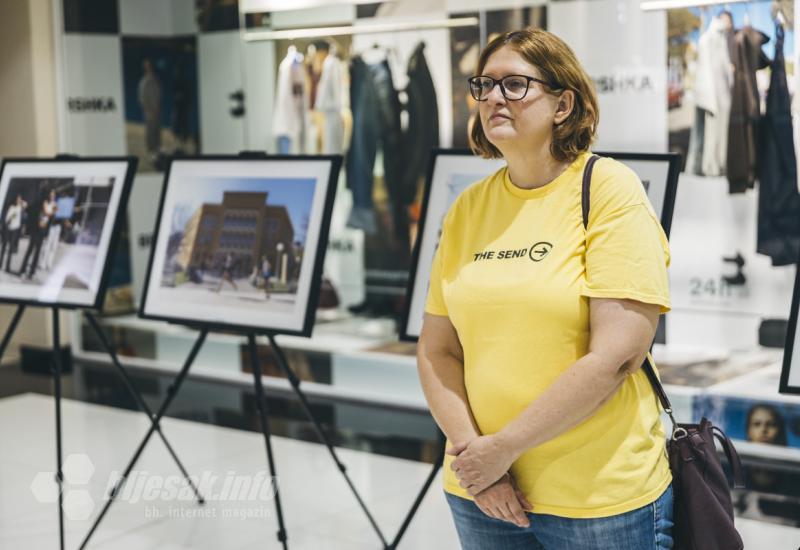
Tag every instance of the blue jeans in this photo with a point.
(646, 528)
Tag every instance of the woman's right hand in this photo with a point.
(504, 501)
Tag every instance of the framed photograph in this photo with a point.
(452, 171)
(790, 375)
(659, 174)
(60, 220)
(240, 242)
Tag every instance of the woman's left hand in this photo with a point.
(481, 462)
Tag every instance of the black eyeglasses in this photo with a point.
(513, 87)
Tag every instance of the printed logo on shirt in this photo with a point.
(539, 251)
(536, 253)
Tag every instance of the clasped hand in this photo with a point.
(481, 462)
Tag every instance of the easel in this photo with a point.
(57, 367)
(250, 334)
(57, 391)
(265, 428)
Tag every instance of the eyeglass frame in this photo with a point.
(496, 82)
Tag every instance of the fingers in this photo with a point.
(517, 515)
(523, 500)
(502, 502)
(456, 449)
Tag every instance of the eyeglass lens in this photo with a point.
(512, 87)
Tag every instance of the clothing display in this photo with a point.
(150, 102)
(516, 286)
(745, 109)
(291, 105)
(422, 134)
(714, 80)
(376, 124)
(778, 198)
(329, 101)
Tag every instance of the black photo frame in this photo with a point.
(122, 169)
(790, 381)
(417, 289)
(230, 167)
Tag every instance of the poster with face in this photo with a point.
(240, 243)
(59, 220)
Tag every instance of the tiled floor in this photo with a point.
(320, 512)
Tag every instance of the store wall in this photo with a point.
(624, 50)
(28, 113)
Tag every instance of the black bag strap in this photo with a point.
(733, 457)
(646, 366)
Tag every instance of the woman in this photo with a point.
(766, 425)
(531, 362)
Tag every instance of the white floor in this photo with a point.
(320, 512)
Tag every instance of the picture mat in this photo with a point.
(451, 167)
(79, 170)
(655, 174)
(452, 173)
(183, 173)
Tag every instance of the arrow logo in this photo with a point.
(539, 251)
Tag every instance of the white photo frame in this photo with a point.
(451, 171)
(59, 222)
(240, 242)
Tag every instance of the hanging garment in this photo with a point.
(376, 124)
(745, 109)
(714, 80)
(697, 135)
(329, 103)
(778, 198)
(291, 104)
(422, 134)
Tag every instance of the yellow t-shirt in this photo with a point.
(514, 272)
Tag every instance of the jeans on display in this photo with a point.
(423, 122)
(646, 528)
(284, 145)
(376, 123)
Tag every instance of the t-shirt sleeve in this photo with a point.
(435, 302)
(627, 252)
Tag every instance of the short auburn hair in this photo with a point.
(562, 70)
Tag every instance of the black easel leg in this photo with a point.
(171, 392)
(295, 382)
(412, 512)
(261, 402)
(140, 400)
(57, 382)
(10, 330)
